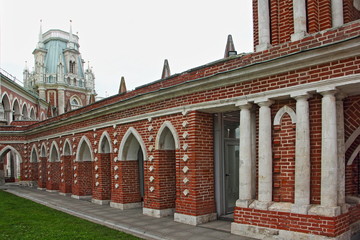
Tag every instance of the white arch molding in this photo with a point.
(84, 150)
(67, 149)
(34, 150)
(130, 144)
(43, 152)
(54, 152)
(281, 112)
(163, 137)
(7, 149)
(353, 155)
(105, 145)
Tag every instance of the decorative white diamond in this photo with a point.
(74, 146)
(151, 179)
(96, 159)
(96, 175)
(61, 160)
(38, 145)
(186, 180)
(48, 172)
(40, 177)
(185, 124)
(26, 176)
(115, 141)
(95, 150)
(25, 151)
(115, 159)
(60, 141)
(149, 119)
(95, 142)
(62, 174)
(185, 169)
(150, 138)
(185, 135)
(40, 171)
(115, 150)
(114, 134)
(151, 189)
(60, 149)
(25, 147)
(185, 146)
(114, 126)
(151, 148)
(62, 180)
(74, 154)
(116, 177)
(75, 175)
(95, 135)
(75, 181)
(74, 167)
(186, 192)
(48, 166)
(151, 158)
(116, 185)
(151, 168)
(47, 142)
(97, 184)
(116, 168)
(49, 178)
(96, 167)
(150, 128)
(73, 139)
(185, 158)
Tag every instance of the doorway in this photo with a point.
(226, 140)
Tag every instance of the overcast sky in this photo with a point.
(129, 38)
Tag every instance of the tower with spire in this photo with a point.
(58, 75)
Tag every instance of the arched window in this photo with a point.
(75, 103)
(72, 66)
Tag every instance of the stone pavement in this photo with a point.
(131, 221)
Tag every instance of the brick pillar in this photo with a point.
(34, 171)
(66, 174)
(195, 201)
(53, 176)
(102, 187)
(42, 173)
(160, 200)
(125, 192)
(83, 180)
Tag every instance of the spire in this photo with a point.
(122, 88)
(230, 48)
(71, 35)
(26, 67)
(71, 43)
(166, 70)
(40, 43)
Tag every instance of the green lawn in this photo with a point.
(24, 219)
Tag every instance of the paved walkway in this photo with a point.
(130, 221)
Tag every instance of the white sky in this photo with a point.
(129, 38)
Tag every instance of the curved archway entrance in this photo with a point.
(10, 160)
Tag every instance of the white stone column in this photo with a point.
(302, 156)
(265, 153)
(253, 153)
(329, 161)
(61, 100)
(42, 94)
(299, 12)
(245, 165)
(263, 25)
(341, 149)
(337, 13)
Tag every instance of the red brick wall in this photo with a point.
(84, 177)
(103, 190)
(352, 122)
(284, 136)
(201, 199)
(310, 224)
(34, 171)
(352, 178)
(318, 15)
(164, 194)
(128, 181)
(42, 172)
(67, 174)
(350, 12)
(281, 20)
(53, 172)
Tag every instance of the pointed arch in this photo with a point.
(353, 155)
(6, 104)
(34, 157)
(167, 137)
(54, 152)
(25, 113)
(43, 150)
(32, 114)
(281, 112)
(7, 149)
(84, 151)
(105, 145)
(67, 149)
(42, 116)
(130, 144)
(16, 109)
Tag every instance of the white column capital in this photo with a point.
(300, 97)
(330, 92)
(244, 106)
(266, 103)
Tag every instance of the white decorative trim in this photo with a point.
(158, 213)
(167, 124)
(352, 138)
(106, 135)
(353, 155)
(87, 141)
(87, 197)
(124, 206)
(281, 112)
(52, 191)
(129, 132)
(194, 220)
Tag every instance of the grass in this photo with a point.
(24, 219)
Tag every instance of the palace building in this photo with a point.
(269, 139)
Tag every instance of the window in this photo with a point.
(75, 103)
(72, 66)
